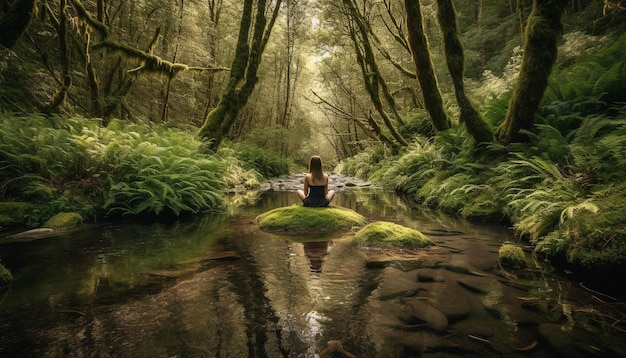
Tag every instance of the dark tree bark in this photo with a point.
(168, 84)
(66, 79)
(543, 30)
(476, 126)
(425, 73)
(15, 17)
(243, 74)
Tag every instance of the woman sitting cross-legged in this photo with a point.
(316, 193)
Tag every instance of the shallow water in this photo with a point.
(217, 286)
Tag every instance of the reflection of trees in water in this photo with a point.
(316, 251)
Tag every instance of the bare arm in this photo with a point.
(306, 185)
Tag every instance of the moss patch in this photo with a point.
(390, 235)
(512, 256)
(5, 277)
(300, 219)
(64, 220)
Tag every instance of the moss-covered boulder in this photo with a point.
(5, 277)
(64, 220)
(511, 255)
(386, 234)
(301, 219)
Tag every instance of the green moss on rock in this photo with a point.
(64, 220)
(300, 219)
(5, 277)
(390, 235)
(512, 256)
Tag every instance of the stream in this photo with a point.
(216, 286)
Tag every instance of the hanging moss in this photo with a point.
(300, 219)
(390, 235)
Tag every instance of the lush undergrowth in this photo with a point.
(74, 164)
(564, 190)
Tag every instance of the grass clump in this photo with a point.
(510, 255)
(390, 235)
(301, 219)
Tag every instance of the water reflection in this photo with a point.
(217, 286)
(315, 251)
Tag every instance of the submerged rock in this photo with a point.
(390, 235)
(301, 219)
(570, 342)
(422, 312)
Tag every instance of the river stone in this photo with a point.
(476, 284)
(453, 305)
(430, 275)
(426, 344)
(423, 312)
(571, 343)
(396, 283)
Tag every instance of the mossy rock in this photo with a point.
(64, 220)
(511, 255)
(5, 277)
(390, 235)
(301, 219)
(13, 212)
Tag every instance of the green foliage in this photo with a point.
(153, 170)
(416, 122)
(601, 76)
(264, 161)
(74, 165)
(363, 164)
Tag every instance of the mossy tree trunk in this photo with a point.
(476, 126)
(425, 73)
(66, 80)
(543, 31)
(243, 74)
(372, 78)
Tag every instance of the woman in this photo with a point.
(316, 193)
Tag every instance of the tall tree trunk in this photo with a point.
(476, 126)
(243, 74)
(66, 79)
(540, 50)
(425, 73)
(373, 79)
(170, 77)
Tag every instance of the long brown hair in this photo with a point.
(315, 168)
